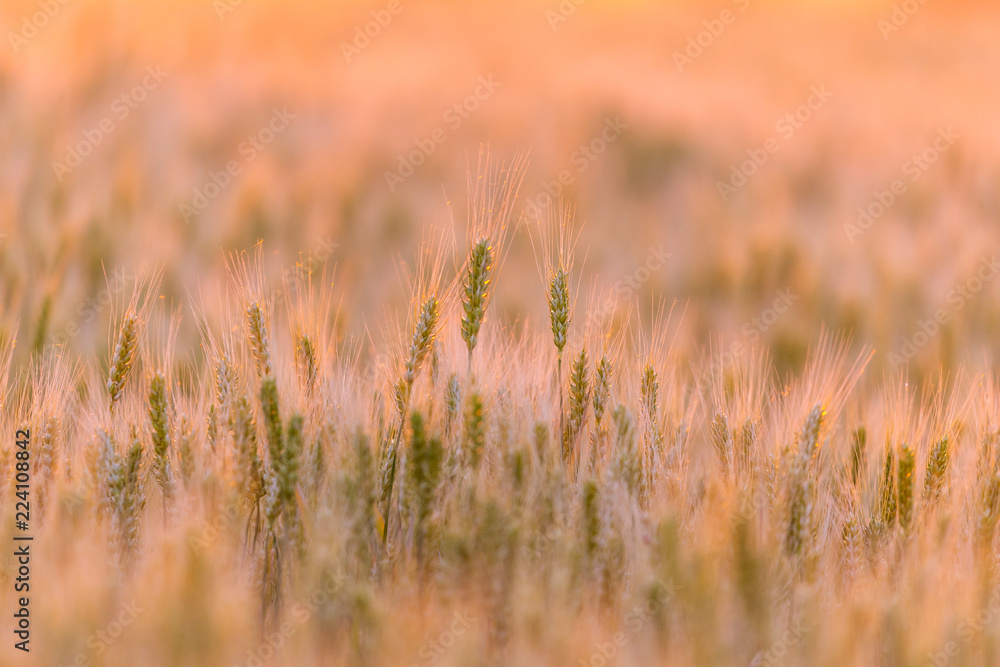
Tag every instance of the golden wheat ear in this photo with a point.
(477, 281)
(424, 332)
(123, 357)
(160, 420)
(258, 338)
(129, 330)
(492, 196)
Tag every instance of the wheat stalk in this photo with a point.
(423, 477)
(559, 319)
(424, 333)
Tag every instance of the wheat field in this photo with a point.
(429, 334)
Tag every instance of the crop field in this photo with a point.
(428, 334)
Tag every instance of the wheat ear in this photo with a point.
(424, 332)
(123, 357)
(160, 420)
(559, 317)
(260, 345)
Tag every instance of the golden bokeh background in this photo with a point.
(543, 77)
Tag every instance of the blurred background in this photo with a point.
(777, 168)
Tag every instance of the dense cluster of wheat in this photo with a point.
(279, 496)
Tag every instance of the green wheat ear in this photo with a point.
(989, 509)
(250, 470)
(475, 431)
(649, 389)
(452, 401)
(477, 284)
(799, 508)
(260, 345)
(579, 398)
(601, 399)
(801, 492)
(288, 477)
(423, 477)
(559, 308)
(602, 389)
(887, 489)
(559, 317)
(424, 332)
(937, 466)
(852, 539)
(722, 438)
(627, 465)
(225, 383)
(907, 462)
(809, 436)
(858, 445)
(123, 357)
(159, 418)
(421, 342)
(125, 495)
(272, 418)
(305, 361)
